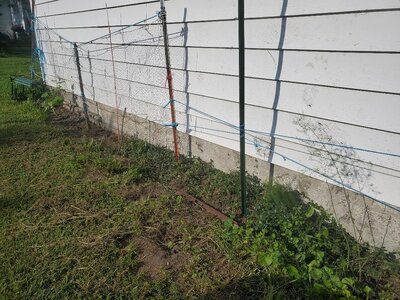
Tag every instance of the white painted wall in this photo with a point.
(332, 68)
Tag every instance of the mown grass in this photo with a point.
(82, 217)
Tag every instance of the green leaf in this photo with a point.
(319, 289)
(170, 245)
(319, 255)
(293, 272)
(228, 223)
(325, 232)
(310, 212)
(265, 260)
(367, 290)
(348, 281)
(316, 274)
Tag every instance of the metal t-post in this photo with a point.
(78, 66)
(242, 105)
(163, 17)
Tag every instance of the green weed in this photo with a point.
(287, 238)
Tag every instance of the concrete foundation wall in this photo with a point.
(363, 218)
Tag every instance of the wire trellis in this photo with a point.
(128, 65)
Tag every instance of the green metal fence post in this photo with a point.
(242, 105)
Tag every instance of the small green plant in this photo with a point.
(46, 98)
(50, 100)
(132, 175)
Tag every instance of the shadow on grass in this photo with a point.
(23, 132)
(15, 203)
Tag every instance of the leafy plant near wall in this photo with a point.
(46, 98)
(51, 99)
(304, 246)
(343, 165)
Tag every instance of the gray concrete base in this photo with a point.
(365, 219)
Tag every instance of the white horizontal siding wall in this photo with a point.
(325, 71)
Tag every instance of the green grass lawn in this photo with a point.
(81, 217)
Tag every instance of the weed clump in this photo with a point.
(299, 245)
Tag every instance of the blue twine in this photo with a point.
(210, 116)
(42, 61)
(257, 145)
(326, 143)
(291, 137)
(171, 125)
(40, 54)
(169, 102)
(242, 130)
(349, 187)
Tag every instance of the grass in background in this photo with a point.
(82, 218)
